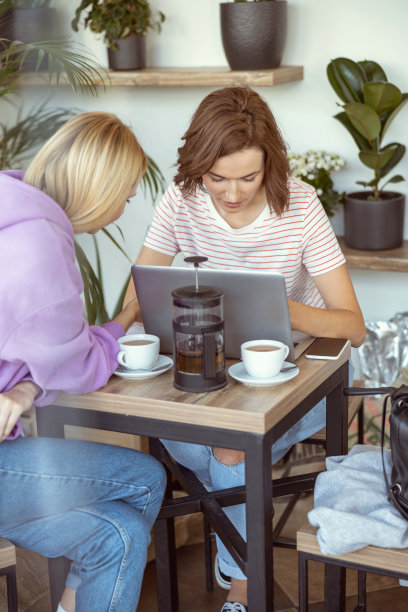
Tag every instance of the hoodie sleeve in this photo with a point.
(62, 353)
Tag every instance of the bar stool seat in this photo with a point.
(8, 569)
(385, 561)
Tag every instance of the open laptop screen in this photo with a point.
(255, 304)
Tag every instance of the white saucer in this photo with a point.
(162, 361)
(238, 372)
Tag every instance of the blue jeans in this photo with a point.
(92, 503)
(215, 475)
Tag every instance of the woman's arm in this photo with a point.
(342, 317)
(147, 257)
(14, 403)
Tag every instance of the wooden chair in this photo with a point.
(8, 569)
(385, 561)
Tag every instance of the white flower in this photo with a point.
(308, 164)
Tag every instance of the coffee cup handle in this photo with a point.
(286, 352)
(122, 358)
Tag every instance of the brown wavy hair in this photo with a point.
(226, 121)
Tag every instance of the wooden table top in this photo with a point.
(235, 407)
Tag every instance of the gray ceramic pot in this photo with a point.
(30, 25)
(253, 33)
(130, 54)
(374, 224)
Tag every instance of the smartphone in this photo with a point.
(326, 348)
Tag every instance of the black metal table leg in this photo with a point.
(337, 444)
(58, 567)
(11, 581)
(165, 548)
(259, 524)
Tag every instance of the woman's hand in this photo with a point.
(129, 314)
(342, 317)
(14, 403)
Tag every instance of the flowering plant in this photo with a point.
(314, 167)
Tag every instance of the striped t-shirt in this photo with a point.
(300, 244)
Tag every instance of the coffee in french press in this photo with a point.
(198, 336)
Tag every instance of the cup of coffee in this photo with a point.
(263, 358)
(138, 351)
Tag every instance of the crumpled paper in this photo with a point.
(384, 354)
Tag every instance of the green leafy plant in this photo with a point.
(118, 19)
(315, 168)
(371, 103)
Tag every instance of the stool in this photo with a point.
(8, 568)
(385, 561)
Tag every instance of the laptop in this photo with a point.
(255, 305)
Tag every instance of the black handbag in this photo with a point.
(398, 398)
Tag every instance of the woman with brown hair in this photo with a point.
(233, 201)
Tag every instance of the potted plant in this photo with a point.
(373, 219)
(124, 26)
(315, 168)
(29, 21)
(253, 33)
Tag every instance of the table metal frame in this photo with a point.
(255, 557)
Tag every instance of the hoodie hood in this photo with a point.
(22, 202)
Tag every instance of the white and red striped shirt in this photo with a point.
(300, 244)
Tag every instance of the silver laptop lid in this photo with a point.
(255, 304)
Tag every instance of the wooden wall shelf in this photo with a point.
(393, 260)
(189, 77)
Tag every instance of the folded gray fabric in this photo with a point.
(351, 506)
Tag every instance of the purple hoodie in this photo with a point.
(43, 335)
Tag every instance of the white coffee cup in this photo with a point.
(263, 358)
(138, 351)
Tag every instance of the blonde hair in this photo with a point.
(89, 167)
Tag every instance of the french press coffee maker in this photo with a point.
(198, 336)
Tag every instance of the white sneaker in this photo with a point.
(235, 606)
(222, 580)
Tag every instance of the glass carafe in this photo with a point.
(198, 338)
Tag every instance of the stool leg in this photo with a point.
(362, 603)
(11, 589)
(208, 556)
(303, 582)
(360, 424)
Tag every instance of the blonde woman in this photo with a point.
(92, 503)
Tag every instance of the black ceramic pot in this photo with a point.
(130, 54)
(253, 33)
(30, 25)
(374, 224)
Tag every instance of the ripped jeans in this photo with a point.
(215, 475)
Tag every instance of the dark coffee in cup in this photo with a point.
(263, 348)
(137, 342)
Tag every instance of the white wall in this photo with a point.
(318, 31)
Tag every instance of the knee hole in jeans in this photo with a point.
(227, 456)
